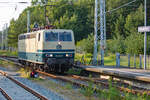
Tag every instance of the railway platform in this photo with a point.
(120, 72)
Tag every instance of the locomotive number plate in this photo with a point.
(59, 55)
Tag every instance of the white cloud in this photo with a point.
(11, 9)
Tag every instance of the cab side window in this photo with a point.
(39, 37)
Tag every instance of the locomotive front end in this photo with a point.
(59, 48)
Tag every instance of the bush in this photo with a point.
(116, 45)
(134, 44)
(88, 55)
(86, 45)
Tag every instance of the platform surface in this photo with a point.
(130, 73)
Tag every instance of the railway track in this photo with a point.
(18, 88)
(83, 81)
(5, 94)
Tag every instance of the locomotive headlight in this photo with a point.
(51, 55)
(59, 43)
(67, 55)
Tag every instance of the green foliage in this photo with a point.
(116, 45)
(1, 62)
(88, 91)
(102, 95)
(68, 86)
(134, 44)
(73, 71)
(78, 15)
(113, 92)
(75, 15)
(134, 20)
(8, 53)
(119, 27)
(86, 45)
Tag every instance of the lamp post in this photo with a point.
(145, 37)
(28, 21)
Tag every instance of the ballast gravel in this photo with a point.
(14, 91)
(2, 97)
(51, 95)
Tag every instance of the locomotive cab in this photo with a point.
(59, 47)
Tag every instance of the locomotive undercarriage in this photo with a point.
(48, 67)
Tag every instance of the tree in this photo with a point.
(86, 45)
(116, 45)
(119, 27)
(78, 15)
(134, 44)
(134, 20)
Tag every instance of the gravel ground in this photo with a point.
(51, 95)
(14, 91)
(2, 97)
(68, 90)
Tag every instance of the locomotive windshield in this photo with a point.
(51, 36)
(61, 36)
(65, 36)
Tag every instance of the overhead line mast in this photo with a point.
(100, 27)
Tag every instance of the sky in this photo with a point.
(11, 9)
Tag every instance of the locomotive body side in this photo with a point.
(28, 44)
(47, 49)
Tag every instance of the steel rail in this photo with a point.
(95, 81)
(106, 84)
(23, 86)
(5, 94)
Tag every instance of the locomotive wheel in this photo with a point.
(45, 68)
(40, 67)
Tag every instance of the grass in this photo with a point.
(24, 72)
(110, 60)
(112, 93)
(73, 71)
(86, 58)
(8, 53)
(7, 64)
(65, 90)
(87, 93)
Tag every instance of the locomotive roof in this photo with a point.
(45, 30)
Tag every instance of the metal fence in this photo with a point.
(119, 60)
(132, 61)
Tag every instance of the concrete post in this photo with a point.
(140, 61)
(134, 60)
(117, 59)
(128, 60)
